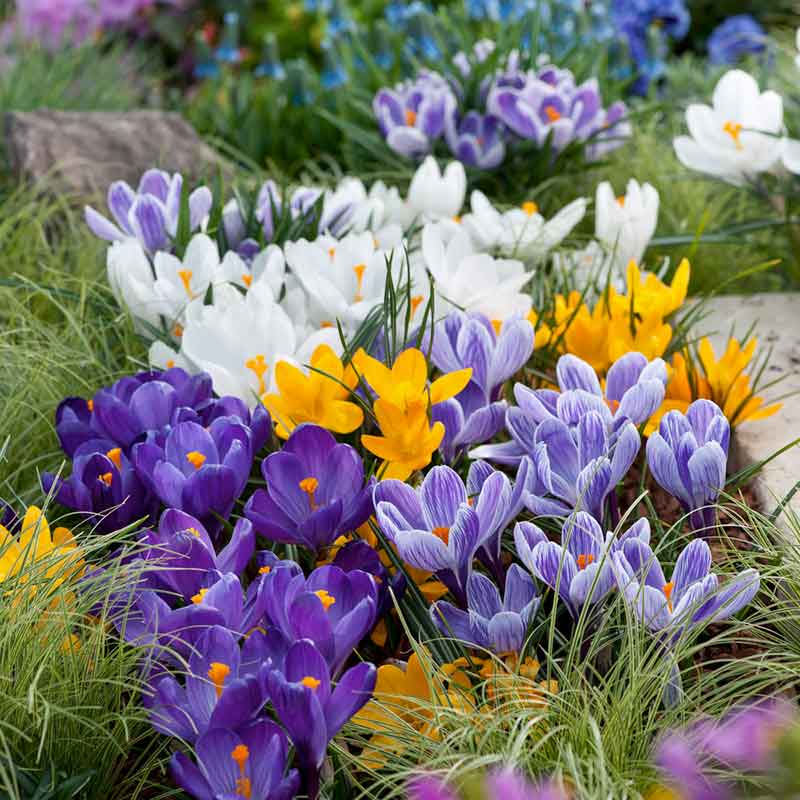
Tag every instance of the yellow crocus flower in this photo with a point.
(651, 296)
(318, 398)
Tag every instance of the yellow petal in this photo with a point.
(411, 367)
(449, 385)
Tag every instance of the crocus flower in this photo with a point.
(738, 136)
(489, 623)
(688, 456)
(315, 491)
(182, 552)
(696, 758)
(312, 711)
(103, 485)
(625, 225)
(435, 528)
(435, 193)
(579, 568)
(320, 397)
(198, 471)
(412, 115)
(149, 214)
(475, 139)
(520, 232)
(250, 762)
(332, 608)
(506, 783)
(219, 691)
(734, 38)
(693, 596)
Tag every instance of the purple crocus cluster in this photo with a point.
(544, 107)
(507, 783)
(149, 214)
(151, 438)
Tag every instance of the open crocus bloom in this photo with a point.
(520, 232)
(736, 137)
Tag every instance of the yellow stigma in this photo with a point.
(240, 754)
(530, 208)
(259, 368)
(265, 570)
(309, 486)
(584, 559)
(667, 589)
(332, 253)
(247, 279)
(734, 130)
(311, 683)
(621, 201)
(198, 598)
(186, 278)
(196, 459)
(90, 405)
(359, 271)
(442, 533)
(415, 301)
(553, 114)
(457, 218)
(327, 599)
(217, 673)
(105, 478)
(170, 364)
(115, 456)
(411, 118)
(326, 323)
(497, 324)
(194, 532)
(177, 331)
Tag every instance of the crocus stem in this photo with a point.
(311, 780)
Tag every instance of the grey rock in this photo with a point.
(776, 318)
(80, 153)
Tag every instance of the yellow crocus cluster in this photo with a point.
(404, 396)
(618, 323)
(320, 397)
(722, 380)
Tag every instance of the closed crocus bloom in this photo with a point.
(198, 471)
(738, 136)
(315, 491)
(648, 295)
(333, 608)
(319, 395)
(435, 194)
(132, 281)
(626, 224)
(222, 689)
(150, 214)
(475, 139)
(500, 626)
(249, 762)
(435, 528)
(311, 709)
(688, 456)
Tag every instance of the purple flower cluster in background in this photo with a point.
(504, 783)
(155, 436)
(734, 38)
(544, 107)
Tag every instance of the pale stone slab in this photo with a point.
(80, 153)
(777, 325)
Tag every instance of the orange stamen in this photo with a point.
(177, 331)
(553, 114)
(218, 672)
(196, 459)
(198, 598)
(186, 277)
(265, 570)
(90, 405)
(115, 456)
(621, 201)
(734, 130)
(327, 599)
(106, 478)
(497, 324)
(584, 559)
(170, 364)
(259, 367)
(530, 208)
(359, 271)
(244, 787)
(415, 301)
(326, 323)
(411, 118)
(247, 279)
(442, 533)
(667, 589)
(311, 682)
(309, 486)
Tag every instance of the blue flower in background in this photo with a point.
(333, 73)
(736, 37)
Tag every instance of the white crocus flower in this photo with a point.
(473, 281)
(738, 136)
(343, 279)
(521, 232)
(269, 265)
(240, 341)
(132, 280)
(625, 225)
(434, 194)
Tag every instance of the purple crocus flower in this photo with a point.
(198, 471)
(696, 758)
(692, 597)
(332, 608)
(737, 36)
(219, 689)
(103, 485)
(477, 413)
(506, 783)
(315, 491)
(182, 553)
(250, 762)
(688, 456)
(475, 139)
(580, 568)
(634, 389)
(412, 115)
(310, 709)
(436, 527)
(149, 214)
(489, 623)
